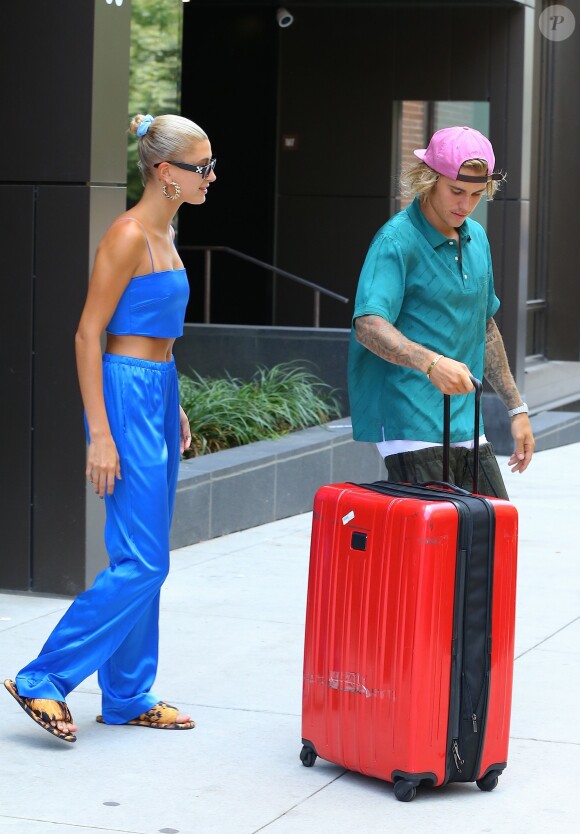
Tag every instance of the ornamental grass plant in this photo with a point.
(229, 412)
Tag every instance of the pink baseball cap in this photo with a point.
(450, 147)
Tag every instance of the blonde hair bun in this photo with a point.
(140, 124)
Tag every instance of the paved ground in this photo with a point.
(231, 653)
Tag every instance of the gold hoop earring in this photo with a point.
(169, 196)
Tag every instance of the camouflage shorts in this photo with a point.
(427, 465)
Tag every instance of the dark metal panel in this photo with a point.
(562, 184)
(503, 250)
(17, 247)
(498, 117)
(509, 213)
(507, 37)
(513, 93)
(422, 60)
(495, 234)
(334, 234)
(446, 58)
(335, 102)
(508, 223)
(237, 65)
(470, 49)
(59, 443)
(47, 50)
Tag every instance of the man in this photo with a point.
(423, 322)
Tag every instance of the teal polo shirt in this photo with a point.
(437, 294)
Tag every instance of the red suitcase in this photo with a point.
(410, 633)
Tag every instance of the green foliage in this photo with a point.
(155, 70)
(230, 412)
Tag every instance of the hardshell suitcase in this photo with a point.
(410, 633)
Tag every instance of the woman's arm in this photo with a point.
(184, 429)
(117, 257)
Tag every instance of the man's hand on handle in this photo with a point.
(451, 377)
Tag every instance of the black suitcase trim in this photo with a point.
(471, 655)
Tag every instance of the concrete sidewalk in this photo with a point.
(231, 654)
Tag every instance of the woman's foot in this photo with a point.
(160, 717)
(53, 716)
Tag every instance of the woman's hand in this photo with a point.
(184, 431)
(103, 465)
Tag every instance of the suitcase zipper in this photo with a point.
(477, 712)
(459, 762)
(473, 714)
(456, 688)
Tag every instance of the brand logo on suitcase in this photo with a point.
(349, 682)
(345, 682)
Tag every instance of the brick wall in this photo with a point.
(413, 129)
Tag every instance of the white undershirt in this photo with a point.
(395, 447)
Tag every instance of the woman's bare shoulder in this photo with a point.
(125, 229)
(124, 240)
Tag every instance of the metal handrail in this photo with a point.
(270, 267)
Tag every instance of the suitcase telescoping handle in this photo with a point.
(447, 432)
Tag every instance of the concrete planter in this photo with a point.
(265, 481)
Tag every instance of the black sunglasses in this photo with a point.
(204, 170)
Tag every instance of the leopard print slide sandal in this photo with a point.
(43, 712)
(160, 717)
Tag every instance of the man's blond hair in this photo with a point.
(418, 179)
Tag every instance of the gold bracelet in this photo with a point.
(432, 365)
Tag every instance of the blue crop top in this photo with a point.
(152, 304)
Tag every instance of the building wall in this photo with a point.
(229, 87)
(62, 165)
(333, 78)
(557, 243)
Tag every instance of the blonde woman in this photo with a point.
(136, 431)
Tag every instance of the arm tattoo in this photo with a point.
(380, 337)
(497, 370)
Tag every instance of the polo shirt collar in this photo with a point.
(429, 232)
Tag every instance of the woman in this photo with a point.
(136, 430)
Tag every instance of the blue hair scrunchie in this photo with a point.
(144, 124)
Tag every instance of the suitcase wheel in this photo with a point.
(308, 756)
(405, 791)
(489, 781)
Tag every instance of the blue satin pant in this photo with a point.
(114, 626)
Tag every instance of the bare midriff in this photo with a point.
(140, 347)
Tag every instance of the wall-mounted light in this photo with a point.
(284, 18)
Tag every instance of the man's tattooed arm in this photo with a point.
(497, 370)
(499, 376)
(380, 337)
